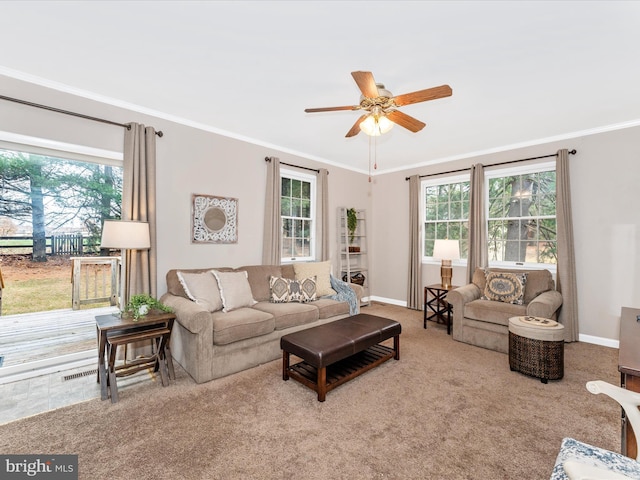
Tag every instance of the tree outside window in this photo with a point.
(297, 207)
(446, 214)
(521, 221)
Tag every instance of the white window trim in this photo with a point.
(430, 182)
(512, 171)
(305, 177)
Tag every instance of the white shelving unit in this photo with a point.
(353, 251)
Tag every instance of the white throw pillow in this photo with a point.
(320, 270)
(235, 290)
(202, 288)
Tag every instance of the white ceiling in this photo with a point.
(521, 72)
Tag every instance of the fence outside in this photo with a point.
(62, 244)
(95, 280)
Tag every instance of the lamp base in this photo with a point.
(446, 272)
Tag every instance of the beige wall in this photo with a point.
(189, 160)
(605, 180)
(605, 177)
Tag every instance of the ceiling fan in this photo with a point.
(381, 106)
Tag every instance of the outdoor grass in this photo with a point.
(38, 295)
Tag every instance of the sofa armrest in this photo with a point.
(189, 314)
(359, 290)
(458, 298)
(545, 305)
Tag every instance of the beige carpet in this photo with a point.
(446, 410)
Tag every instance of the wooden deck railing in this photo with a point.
(94, 280)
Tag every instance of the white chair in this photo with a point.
(580, 461)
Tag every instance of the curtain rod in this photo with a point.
(268, 159)
(571, 152)
(74, 114)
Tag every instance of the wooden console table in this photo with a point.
(629, 368)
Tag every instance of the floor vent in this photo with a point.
(81, 374)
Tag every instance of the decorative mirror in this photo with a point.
(214, 219)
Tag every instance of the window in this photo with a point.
(297, 210)
(446, 212)
(521, 219)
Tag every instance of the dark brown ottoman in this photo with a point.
(336, 352)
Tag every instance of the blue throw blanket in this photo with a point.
(345, 294)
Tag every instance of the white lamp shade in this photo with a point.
(376, 125)
(125, 235)
(446, 249)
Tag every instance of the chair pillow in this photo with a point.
(505, 287)
(284, 290)
(202, 288)
(235, 290)
(320, 270)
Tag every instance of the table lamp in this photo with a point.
(125, 235)
(446, 250)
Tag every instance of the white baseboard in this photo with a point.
(390, 301)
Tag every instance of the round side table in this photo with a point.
(536, 347)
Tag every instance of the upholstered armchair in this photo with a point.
(581, 461)
(481, 309)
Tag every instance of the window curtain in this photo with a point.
(566, 270)
(272, 241)
(322, 215)
(414, 294)
(477, 251)
(139, 204)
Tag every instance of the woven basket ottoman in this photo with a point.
(536, 347)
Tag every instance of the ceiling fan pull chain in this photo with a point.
(369, 159)
(375, 153)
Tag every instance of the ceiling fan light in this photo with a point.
(375, 126)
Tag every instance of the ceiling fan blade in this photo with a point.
(366, 84)
(405, 121)
(356, 127)
(331, 109)
(423, 95)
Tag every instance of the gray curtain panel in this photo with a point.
(566, 271)
(322, 215)
(415, 287)
(139, 204)
(272, 243)
(477, 250)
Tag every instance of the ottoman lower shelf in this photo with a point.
(343, 370)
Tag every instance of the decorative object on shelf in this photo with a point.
(352, 224)
(139, 305)
(357, 278)
(214, 219)
(446, 250)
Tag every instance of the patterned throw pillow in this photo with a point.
(505, 287)
(285, 290)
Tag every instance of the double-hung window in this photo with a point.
(297, 210)
(521, 218)
(445, 204)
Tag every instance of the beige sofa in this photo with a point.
(485, 322)
(210, 343)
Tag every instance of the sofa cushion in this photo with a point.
(330, 308)
(284, 290)
(234, 290)
(505, 287)
(289, 314)
(259, 276)
(493, 312)
(320, 270)
(240, 324)
(202, 288)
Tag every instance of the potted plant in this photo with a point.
(139, 305)
(352, 226)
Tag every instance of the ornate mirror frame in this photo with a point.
(214, 219)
